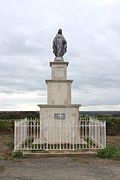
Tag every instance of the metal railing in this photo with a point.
(59, 135)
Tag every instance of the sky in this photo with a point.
(92, 31)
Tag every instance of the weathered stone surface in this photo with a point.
(48, 119)
(59, 70)
(59, 102)
(59, 106)
(59, 92)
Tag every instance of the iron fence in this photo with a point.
(59, 135)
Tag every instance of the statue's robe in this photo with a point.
(59, 45)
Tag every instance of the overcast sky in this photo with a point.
(92, 30)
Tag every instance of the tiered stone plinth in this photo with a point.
(58, 108)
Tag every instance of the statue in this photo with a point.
(59, 45)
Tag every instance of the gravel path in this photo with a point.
(60, 168)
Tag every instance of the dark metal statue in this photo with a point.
(59, 45)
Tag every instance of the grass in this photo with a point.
(18, 154)
(10, 145)
(110, 152)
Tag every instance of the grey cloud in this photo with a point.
(92, 30)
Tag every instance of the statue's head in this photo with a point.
(60, 31)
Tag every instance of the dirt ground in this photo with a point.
(82, 167)
(6, 146)
(60, 168)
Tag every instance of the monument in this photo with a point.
(58, 108)
(59, 127)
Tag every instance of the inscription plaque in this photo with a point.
(59, 115)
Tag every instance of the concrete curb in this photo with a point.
(58, 154)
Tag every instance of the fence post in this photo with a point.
(99, 135)
(40, 137)
(37, 135)
(73, 137)
(47, 137)
(21, 134)
(24, 134)
(104, 133)
(92, 134)
(60, 134)
(78, 126)
(27, 132)
(14, 136)
(89, 134)
(31, 134)
(53, 141)
(34, 129)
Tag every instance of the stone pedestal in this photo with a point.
(58, 109)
